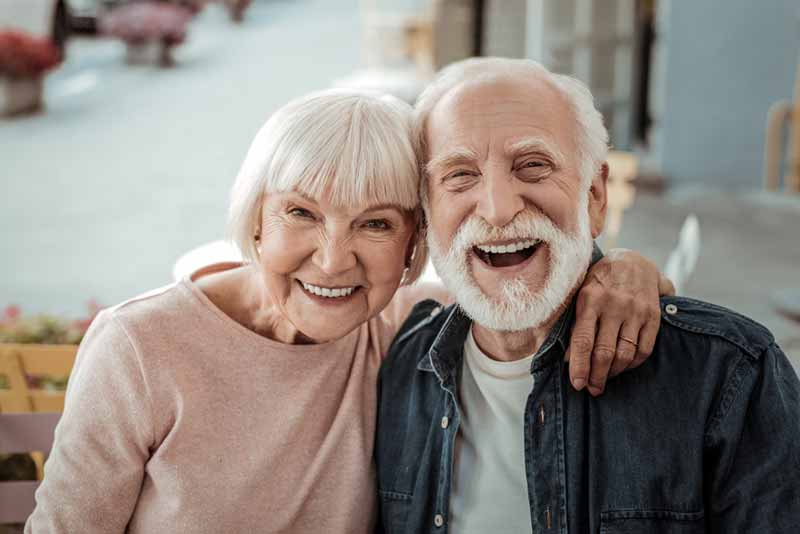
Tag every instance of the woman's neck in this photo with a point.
(240, 294)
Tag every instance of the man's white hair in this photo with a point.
(352, 148)
(592, 136)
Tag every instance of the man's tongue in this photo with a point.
(508, 259)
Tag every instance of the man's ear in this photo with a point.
(598, 200)
(419, 230)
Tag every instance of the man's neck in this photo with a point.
(507, 346)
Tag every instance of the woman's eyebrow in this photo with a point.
(384, 206)
(455, 156)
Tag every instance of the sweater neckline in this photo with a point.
(240, 330)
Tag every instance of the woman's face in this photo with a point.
(329, 269)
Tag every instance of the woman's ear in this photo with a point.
(419, 222)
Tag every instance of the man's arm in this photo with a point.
(617, 317)
(753, 449)
(619, 297)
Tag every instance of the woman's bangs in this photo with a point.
(354, 168)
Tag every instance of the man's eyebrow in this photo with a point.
(455, 156)
(534, 144)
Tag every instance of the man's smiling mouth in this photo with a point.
(506, 254)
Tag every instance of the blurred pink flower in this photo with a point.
(11, 313)
(23, 55)
(147, 21)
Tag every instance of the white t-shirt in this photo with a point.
(490, 490)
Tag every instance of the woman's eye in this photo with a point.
(377, 224)
(301, 213)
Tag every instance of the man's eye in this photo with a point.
(533, 170)
(301, 213)
(458, 174)
(460, 180)
(377, 224)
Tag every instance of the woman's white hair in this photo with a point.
(592, 136)
(353, 148)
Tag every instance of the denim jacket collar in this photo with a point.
(445, 354)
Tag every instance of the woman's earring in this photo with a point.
(404, 277)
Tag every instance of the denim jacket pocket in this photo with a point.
(651, 522)
(394, 510)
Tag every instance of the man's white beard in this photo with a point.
(517, 308)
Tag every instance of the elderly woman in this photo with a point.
(245, 401)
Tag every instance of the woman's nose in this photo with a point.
(334, 256)
(499, 202)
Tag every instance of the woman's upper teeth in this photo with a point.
(328, 291)
(510, 247)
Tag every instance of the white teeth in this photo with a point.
(512, 247)
(328, 292)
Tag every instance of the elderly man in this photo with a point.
(479, 431)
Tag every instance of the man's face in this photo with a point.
(510, 224)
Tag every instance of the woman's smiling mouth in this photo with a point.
(328, 293)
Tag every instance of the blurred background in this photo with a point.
(124, 124)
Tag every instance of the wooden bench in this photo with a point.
(24, 365)
(23, 432)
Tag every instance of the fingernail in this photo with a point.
(595, 391)
(579, 383)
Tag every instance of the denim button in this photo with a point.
(445, 422)
(671, 309)
(438, 520)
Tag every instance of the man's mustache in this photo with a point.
(476, 231)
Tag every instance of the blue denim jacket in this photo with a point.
(703, 437)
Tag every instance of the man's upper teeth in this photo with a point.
(511, 247)
(327, 291)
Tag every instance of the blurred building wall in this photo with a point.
(504, 28)
(726, 61)
(715, 68)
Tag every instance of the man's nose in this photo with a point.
(335, 255)
(500, 201)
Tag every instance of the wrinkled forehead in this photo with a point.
(500, 108)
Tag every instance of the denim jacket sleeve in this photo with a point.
(753, 446)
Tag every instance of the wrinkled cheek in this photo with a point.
(283, 256)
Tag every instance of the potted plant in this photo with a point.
(236, 9)
(150, 29)
(45, 343)
(24, 59)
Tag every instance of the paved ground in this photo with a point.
(750, 249)
(130, 167)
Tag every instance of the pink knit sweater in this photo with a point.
(180, 420)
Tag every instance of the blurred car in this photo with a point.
(85, 14)
(41, 18)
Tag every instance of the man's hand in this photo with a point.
(617, 318)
